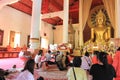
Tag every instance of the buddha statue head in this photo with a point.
(100, 18)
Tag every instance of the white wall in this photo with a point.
(47, 28)
(12, 19)
(58, 33)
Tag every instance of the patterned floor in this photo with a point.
(53, 73)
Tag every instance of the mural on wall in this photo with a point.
(1, 36)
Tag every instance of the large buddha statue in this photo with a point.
(100, 33)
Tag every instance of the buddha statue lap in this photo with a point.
(100, 34)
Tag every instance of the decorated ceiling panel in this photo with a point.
(49, 6)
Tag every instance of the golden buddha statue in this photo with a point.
(100, 34)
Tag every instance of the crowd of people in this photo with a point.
(97, 66)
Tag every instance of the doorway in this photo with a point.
(14, 39)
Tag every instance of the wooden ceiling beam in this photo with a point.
(56, 5)
(21, 7)
(45, 5)
(25, 4)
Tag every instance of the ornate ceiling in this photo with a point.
(49, 6)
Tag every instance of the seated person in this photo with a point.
(28, 71)
(49, 57)
(24, 55)
(100, 33)
(9, 48)
(3, 73)
(77, 73)
(13, 69)
(18, 48)
(60, 61)
(24, 48)
(38, 59)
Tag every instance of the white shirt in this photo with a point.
(21, 54)
(37, 58)
(25, 75)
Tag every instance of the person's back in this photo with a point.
(59, 57)
(76, 71)
(28, 71)
(102, 70)
(79, 73)
(86, 62)
(58, 60)
(48, 56)
(100, 73)
(25, 75)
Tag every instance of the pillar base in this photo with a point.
(76, 52)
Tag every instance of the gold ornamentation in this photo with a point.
(92, 16)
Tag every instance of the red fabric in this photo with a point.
(116, 64)
(94, 60)
(117, 78)
(110, 60)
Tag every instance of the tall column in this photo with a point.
(117, 12)
(76, 38)
(65, 21)
(35, 24)
(80, 23)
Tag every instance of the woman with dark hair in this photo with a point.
(28, 71)
(102, 70)
(76, 73)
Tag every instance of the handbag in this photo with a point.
(74, 73)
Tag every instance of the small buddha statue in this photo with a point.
(100, 34)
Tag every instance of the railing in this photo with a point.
(9, 54)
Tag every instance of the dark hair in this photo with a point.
(86, 54)
(96, 52)
(77, 61)
(29, 66)
(40, 78)
(49, 51)
(58, 51)
(67, 53)
(14, 66)
(102, 56)
(40, 52)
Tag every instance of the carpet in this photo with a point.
(7, 63)
(52, 73)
